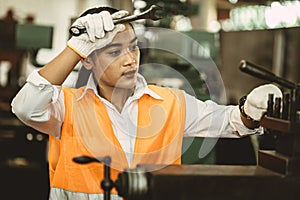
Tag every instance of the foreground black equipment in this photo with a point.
(212, 182)
(131, 184)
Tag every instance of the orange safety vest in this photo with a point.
(87, 130)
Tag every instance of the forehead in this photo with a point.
(124, 36)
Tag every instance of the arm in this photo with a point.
(40, 105)
(57, 70)
(40, 102)
(249, 123)
(246, 119)
(208, 119)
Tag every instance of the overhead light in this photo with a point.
(139, 4)
(233, 1)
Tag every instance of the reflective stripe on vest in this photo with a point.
(60, 194)
(87, 130)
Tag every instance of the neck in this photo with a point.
(116, 96)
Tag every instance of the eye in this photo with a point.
(133, 47)
(116, 52)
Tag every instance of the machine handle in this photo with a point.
(107, 184)
(264, 74)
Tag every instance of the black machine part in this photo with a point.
(106, 184)
(181, 182)
(132, 184)
(294, 96)
(260, 72)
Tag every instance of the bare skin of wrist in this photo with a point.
(57, 70)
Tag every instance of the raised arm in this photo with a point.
(57, 70)
(100, 30)
(40, 102)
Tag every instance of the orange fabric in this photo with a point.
(87, 130)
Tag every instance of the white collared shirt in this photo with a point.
(41, 105)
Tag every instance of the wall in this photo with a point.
(258, 47)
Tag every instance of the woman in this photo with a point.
(116, 113)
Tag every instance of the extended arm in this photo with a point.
(207, 119)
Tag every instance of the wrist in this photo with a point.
(76, 51)
(79, 46)
(246, 119)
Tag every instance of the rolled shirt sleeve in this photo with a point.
(40, 105)
(208, 119)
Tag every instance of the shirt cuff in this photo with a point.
(41, 83)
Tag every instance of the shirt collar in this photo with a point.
(140, 89)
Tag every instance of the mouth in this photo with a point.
(130, 73)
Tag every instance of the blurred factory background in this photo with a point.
(218, 35)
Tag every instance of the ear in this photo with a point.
(87, 63)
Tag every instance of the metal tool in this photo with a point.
(107, 183)
(151, 13)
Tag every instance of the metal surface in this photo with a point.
(212, 182)
(209, 182)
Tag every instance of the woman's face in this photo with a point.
(116, 65)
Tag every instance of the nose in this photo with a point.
(129, 57)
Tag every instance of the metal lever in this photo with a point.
(106, 184)
(86, 159)
(264, 74)
(150, 13)
(132, 184)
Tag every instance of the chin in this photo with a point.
(129, 87)
(126, 85)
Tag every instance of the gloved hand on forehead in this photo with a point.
(100, 31)
(257, 100)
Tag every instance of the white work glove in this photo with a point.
(257, 100)
(100, 31)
